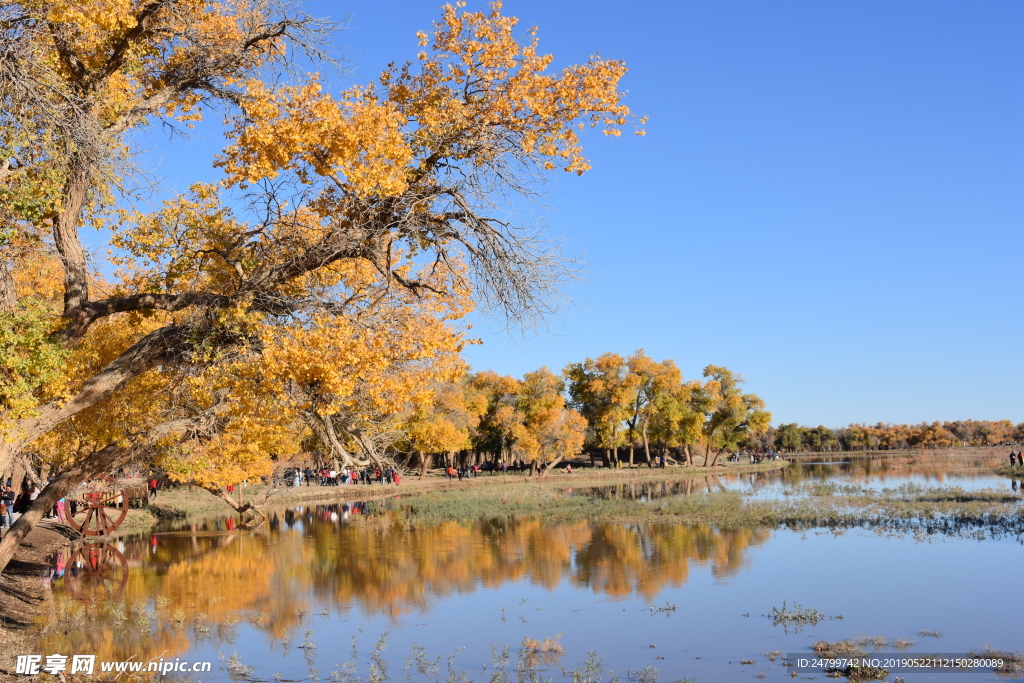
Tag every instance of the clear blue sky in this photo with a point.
(829, 198)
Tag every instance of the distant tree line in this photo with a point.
(792, 438)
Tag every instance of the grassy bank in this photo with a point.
(660, 495)
(951, 511)
(183, 504)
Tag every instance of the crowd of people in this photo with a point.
(755, 457)
(330, 477)
(298, 476)
(466, 471)
(12, 504)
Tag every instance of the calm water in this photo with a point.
(690, 601)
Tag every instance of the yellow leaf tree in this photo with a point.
(397, 180)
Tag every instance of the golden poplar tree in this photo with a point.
(382, 188)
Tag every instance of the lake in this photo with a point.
(291, 599)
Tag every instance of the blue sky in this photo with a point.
(828, 200)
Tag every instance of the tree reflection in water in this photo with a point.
(200, 582)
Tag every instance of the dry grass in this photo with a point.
(535, 653)
(852, 647)
(551, 645)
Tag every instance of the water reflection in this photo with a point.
(204, 587)
(869, 472)
(199, 582)
(645, 491)
(93, 572)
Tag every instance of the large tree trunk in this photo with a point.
(425, 459)
(31, 475)
(552, 465)
(615, 446)
(65, 238)
(17, 476)
(707, 448)
(237, 506)
(110, 458)
(8, 294)
(325, 430)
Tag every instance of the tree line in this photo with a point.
(615, 409)
(885, 437)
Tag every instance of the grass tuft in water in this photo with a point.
(797, 616)
(648, 674)
(590, 671)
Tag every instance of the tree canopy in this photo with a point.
(319, 283)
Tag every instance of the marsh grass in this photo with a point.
(181, 505)
(956, 494)
(526, 665)
(535, 654)
(648, 674)
(856, 674)
(902, 643)
(526, 501)
(668, 608)
(236, 669)
(840, 648)
(590, 671)
(1013, 662)
(824, 489)
(797, 616)
(910, 509)
(856, 647)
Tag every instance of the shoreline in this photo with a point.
(181, 504)
(24, 592)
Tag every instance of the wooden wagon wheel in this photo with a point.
(96, 570)
(102, 509)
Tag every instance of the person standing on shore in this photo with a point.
(8, 499)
